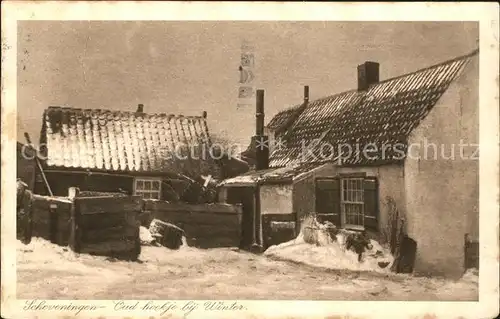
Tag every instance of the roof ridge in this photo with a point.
(162, 114)
(461, 57)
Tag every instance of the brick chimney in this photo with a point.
(306, 94)
(140, 108)
(368, 74)
(260, 140)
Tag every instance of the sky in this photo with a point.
(187, 67)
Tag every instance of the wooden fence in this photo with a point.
(49, 218)
(105, 225)
(205, 225)
(109, 225)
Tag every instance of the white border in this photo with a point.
(485, 13)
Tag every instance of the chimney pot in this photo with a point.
(140, 108)
(306, 94)
(368, 74)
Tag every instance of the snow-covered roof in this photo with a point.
(286, 174)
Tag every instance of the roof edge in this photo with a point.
(74, 109)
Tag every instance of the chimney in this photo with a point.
(140, 108)
(260, 140)
(368, 74)
(306, 94)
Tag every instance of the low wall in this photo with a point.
(50, 217)
(98, 225)
(205, 225)
(106, 225)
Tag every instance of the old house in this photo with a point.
(407, 142)
(153, 155)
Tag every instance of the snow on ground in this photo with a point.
(48, 271)
(331, 254)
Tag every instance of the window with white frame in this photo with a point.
(352, 201)
(148, 188)
(349, 201)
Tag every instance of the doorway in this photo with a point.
(246, 196)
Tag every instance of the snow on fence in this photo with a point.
(205, 225)
(105, 225)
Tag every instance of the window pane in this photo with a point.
(354, 214)
(156, 185)
(155, 195)
(147, 185)
(139, 185)
(146, 195)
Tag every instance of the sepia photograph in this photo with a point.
(220, 160)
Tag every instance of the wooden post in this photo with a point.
(53, 224)
(75, 232)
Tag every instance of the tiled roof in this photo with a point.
(114, 140)
(384, 114)
(281, 119)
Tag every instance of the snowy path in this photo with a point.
(51, 272)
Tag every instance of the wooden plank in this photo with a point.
(198, 218)
(279, 217)
(44, 202)
(108, 205)
(196, 231)
(109, 247)
(106, 234)
(99, 221)
(154, 205)
(211, 242)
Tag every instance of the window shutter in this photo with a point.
(371, 203)
(328, 200)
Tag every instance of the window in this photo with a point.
(148, 188)
(350, 202)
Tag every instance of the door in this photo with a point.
(246, 197)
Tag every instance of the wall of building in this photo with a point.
(276, 199)
(277, 217)
(61, 181)
(390, 179)
(443, 193)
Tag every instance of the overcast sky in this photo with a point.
(188, 67)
